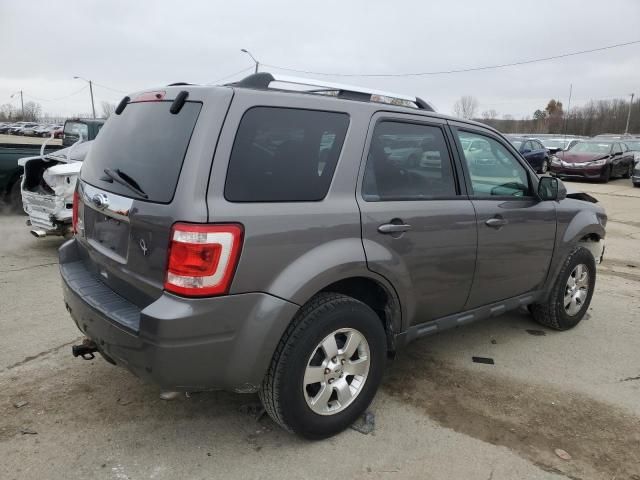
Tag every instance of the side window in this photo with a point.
(528, 145)
(536, 145)
(407, 161)
(493, 169)
(616, 148)
(284, 155)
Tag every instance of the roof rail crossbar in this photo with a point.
(263, 80)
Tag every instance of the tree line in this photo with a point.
(593, 118)
(33, 112)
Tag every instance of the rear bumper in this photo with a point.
(593, 173)
(180, 344)
(47, 212)
(636, 179)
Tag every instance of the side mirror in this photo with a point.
(551, 188)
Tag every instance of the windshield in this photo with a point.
(591, 147)
(145, 142)
(76, 128)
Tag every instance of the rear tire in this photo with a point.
(14, 198)
(344, 389)
(567, 302)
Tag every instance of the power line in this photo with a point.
(56, 99)
(109, 88)
(459, 70)
(230, 75)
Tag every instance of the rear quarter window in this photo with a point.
(284, 155)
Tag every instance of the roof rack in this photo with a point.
(263, 80)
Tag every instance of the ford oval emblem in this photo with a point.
(100, 200)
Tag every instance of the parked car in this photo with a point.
(636, 175)
(555, 145)
(15, 129)
(47, 189)
(86, 127)
(236, 237)
(594, 160)
(634, 146)
(30, 130)
(533, 151)
(6, 127)
(11, 172)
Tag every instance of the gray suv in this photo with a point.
(258, 239)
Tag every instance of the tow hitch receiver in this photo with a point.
(85, 349)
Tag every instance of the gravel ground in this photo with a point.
(438, 415)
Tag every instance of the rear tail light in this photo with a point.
(74, 211)
(202, 258)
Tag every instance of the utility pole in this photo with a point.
(626, 130)
(93, 107)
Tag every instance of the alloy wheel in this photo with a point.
(336, 371)
(576, 289)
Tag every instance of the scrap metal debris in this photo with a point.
(487, 360)
(28, 431)
(562, 454)
(536, 333)
(20, 403)
(365, 424)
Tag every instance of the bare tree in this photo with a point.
(8, 112)
(107, 109)
(489, 115)
(32, 111)
(465, 107)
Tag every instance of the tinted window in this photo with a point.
(493, 169)
(407, 162)
(147, 144)
(617, 148)
(76, 128)
(284, 155)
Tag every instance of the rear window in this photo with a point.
(284, 155)
(76, 128)
(147, 144)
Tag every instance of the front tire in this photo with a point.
(629, 172)
(570, 294)
(606, 175)
(327, 367)
(544, 168)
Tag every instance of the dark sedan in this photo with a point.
(533, 151)
(594, 160)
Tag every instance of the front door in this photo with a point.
(516, 231)
(418, 230)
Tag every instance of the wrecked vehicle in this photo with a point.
(47, 188)
(252, 238)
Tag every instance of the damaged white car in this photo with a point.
(47, 189)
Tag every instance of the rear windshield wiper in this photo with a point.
(123, 179)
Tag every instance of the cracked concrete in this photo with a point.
(438, 415)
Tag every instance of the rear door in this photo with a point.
(418, 226)
(516, 232)
(146, 170)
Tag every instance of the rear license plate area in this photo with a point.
(106, 233)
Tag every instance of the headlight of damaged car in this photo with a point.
(598, 163)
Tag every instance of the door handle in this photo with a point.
(394, 228)
(496, 222)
